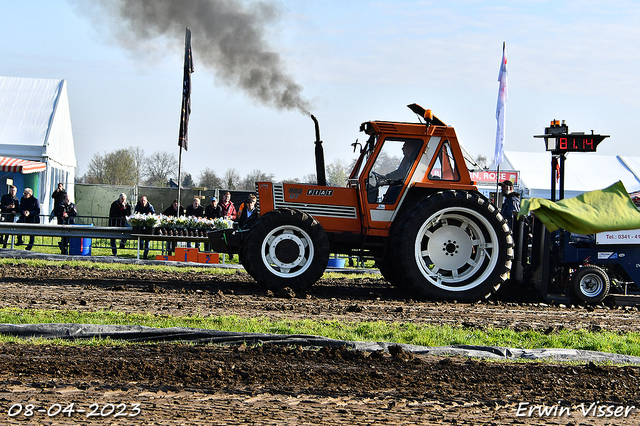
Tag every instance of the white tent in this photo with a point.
(35, 125)
(583, 172)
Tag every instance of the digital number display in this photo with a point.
(574, 143)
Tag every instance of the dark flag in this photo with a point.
(183, 139)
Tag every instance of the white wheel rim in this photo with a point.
(287, 251)
(591, 285)
(453, 246)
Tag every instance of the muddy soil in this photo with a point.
(170, 384)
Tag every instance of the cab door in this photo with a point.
(386, 177)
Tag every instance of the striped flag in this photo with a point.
(501, 109)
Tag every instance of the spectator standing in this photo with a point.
(66, 213)
(145, 207)
(173, 210)
(58, 195)
(249, 213)
(228, 209)
(9, 207)
(213, 211)
(30, 213)
(241, 207)
(196, 210)
(510, 202)
(118, 212)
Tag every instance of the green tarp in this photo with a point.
(609, 209)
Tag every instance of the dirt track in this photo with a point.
(180, 384)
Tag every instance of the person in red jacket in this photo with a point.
(228, 209)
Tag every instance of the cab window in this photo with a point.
(391, 168)
(444, 166)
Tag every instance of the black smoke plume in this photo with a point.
(228, 39)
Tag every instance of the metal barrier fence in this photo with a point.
(48, 233)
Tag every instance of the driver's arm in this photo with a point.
(397, 174)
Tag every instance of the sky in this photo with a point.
(349, 61)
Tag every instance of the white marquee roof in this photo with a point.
(583, 172)
(34, 120)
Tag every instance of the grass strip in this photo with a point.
(378, 331)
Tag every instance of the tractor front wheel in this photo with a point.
(286, 248)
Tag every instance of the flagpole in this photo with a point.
(498, 185)
(179, 167)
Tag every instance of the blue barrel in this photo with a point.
(80, 246)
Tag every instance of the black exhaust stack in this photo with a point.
(320, 174)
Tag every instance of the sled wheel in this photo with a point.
(286, 248)
(454, 245)
(591, 284)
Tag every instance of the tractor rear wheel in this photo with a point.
(286, 248)
(591, 284)
(454, 245)
(385, 265)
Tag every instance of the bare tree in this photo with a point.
(249, 182)
(482, 161)
(160, 167)
(209, 179)
(114, 168)
(231, 179)
(137, 154)
(310, 178)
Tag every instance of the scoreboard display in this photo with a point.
(574, 143)
(558, 140)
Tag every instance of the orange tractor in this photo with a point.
(409, 205)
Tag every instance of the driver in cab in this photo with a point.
(409, 150)
(393, 180)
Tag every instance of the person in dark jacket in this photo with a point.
(196, 210)
(58, 195)
(213, 211)
(118, 213)
(9, 207)
(249, 213)
(173, 210)
(30, 213)
(510, 202)
(145, 207)
(66, 213)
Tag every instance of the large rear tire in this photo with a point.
(591, 284)
(454, 245)
(286, 248)
(385, 265)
